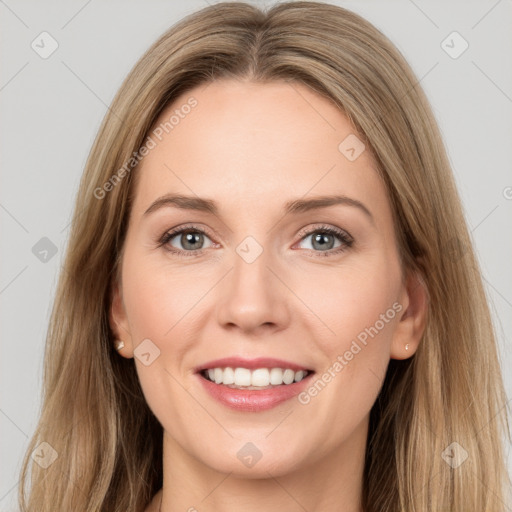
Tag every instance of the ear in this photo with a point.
(411, 325)
(119, 322)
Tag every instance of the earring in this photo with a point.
(407, 346)
(119, 344)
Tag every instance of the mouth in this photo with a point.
(258, 379)
(255, 385)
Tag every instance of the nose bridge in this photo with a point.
(250, 264)
(252, 296)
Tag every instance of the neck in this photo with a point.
(332, 483)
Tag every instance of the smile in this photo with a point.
(260, 378)
(253, 390)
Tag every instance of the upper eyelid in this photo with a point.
(308, 231)
(179, 229)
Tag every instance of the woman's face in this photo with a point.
(257, 276)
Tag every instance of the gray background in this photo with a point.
(51, 109)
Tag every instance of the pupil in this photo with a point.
(191, 238)
(321, 239)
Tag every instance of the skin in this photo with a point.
(240, 144)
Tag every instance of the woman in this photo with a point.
(215, 345)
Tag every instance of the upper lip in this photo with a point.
(251, 364)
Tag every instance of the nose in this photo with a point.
(252, 298)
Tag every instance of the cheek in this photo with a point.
(157, 302)
(349, 301)
(358, 309)
(159, 298)
(162, 304)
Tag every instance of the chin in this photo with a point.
(248, 461)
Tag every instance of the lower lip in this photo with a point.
(253, 400)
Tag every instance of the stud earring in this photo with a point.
(407, 346)
(119, 344)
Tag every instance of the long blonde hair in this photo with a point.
(94, 415)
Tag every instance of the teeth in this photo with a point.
(242, 377)
(276, 376)
(255, 379)
(260, 377)
(288, 376)
(228, 376)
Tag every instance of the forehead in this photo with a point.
(249, 144)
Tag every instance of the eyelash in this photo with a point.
(347, 240)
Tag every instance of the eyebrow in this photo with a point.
(295, 206)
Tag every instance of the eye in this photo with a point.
(189, 240)
(186, 239)
(324, 238)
